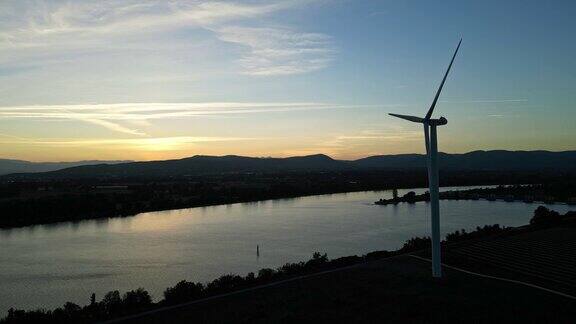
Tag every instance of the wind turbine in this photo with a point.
(432, 164)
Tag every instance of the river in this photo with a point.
(47, 265)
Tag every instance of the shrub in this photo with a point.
(318, 260)
(183, 291)
(225, 283)
(292, 268)
(112, 302)
(416, 243)
(544, 216)
(266, 274)
(136, 299)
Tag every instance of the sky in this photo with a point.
(161, 79)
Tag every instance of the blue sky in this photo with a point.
(166, 79)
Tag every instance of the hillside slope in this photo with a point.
(203, 165)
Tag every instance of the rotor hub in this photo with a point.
(438, 122)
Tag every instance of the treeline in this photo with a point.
(421, 243)
(549, 192)
(544, 217)
(114, 305)
(27, 203)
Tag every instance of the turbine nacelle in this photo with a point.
(438, 122)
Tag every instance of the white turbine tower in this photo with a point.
(432, 164)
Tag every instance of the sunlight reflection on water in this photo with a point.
(44, 266)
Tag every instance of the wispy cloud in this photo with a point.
(378, 13)
(279, 51)
(371, 136)
(49, 31)
(40, 22)
(113, 126)
(386, 134)
(142, 144)
(111, 116)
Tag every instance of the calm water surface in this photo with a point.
(45, 266)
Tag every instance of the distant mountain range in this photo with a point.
(203, 165)
(480, 160)
(8, 166)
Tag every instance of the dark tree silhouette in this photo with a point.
(544, 217)
(183, 291)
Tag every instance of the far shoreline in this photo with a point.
(79, 221)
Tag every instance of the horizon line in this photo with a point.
(278, 157)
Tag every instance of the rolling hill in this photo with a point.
(480, 160)
(8, 166)
(203, 165)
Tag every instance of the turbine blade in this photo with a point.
(410, 118)
(429, 114)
